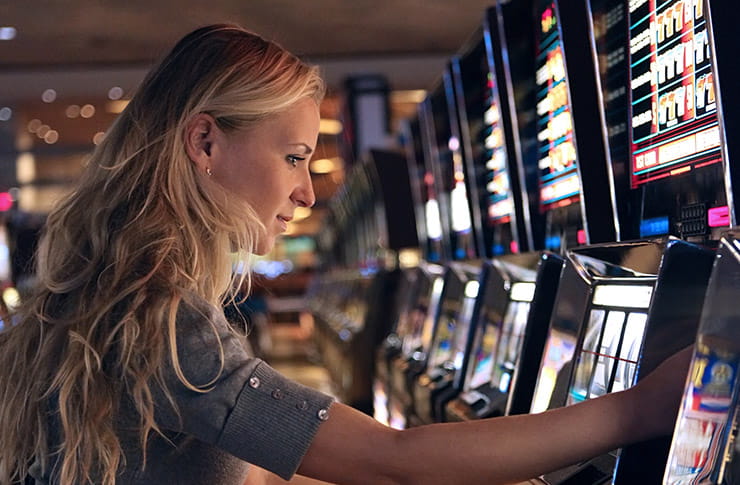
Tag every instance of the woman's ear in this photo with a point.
(199, 138)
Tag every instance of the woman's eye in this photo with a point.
(294, 159)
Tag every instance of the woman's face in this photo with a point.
(267, 166)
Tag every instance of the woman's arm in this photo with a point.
(352, 448)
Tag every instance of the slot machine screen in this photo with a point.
(607, 359)
(559, 184)
(452, 328)
(422, 180)
(674, 116)
(485, 143)
(561, 343)
(414, 322)
(661, 114)
(421, 339)
(486, 340)
(451, 171)
(5, 275)
(512, 335)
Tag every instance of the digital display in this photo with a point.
(411, 326)
(5, 275)
(709, 407)
(486, 342)
(673, 101)
(422, 181)
(451, 171)
(425, 338)
(510, 344)
(607, 360)
(637, 296)
(558, 352)
(485, 144)
(442, 348)
(559, 184)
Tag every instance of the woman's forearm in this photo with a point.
(498, 450)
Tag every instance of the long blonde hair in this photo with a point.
(143, 230)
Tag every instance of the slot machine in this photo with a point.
(565, 180)
(675, 127)
(618, 299)
(414, 280)
(665, 132)
(412, 360)
(705, 447)
(508, 232)
(451, 325)
(450, 348)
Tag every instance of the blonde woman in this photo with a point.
(121, 367)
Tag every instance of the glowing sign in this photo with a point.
(558, 177)
(673, 101)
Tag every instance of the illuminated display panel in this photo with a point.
(608, 357)
(510, 344)
(451, 172)
(674, 117)
(442, 348)
(705, 420)
(487, 146)
(414, 321)
(5, 275)
(423, 340)
(559, 184)
(557, 353)
(463, 329)
(423, 181)
(486, 341)
(452, 329)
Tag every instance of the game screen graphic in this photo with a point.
(487, 339)
(512, 336)
(703, 435)
(673, 101)
(558, 180)
(557, 354)
(608, 357)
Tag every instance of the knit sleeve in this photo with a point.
(246, 408)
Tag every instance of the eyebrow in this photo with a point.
(307, 148)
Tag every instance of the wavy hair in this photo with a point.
(143, 231)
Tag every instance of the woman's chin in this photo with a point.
(264, 245)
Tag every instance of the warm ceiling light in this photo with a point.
(325, 165)
(408, 96)
(115, 93)
(34, 125)
(72, 111)
(51, 137)
(330, 127)
(116, 106)
(98, 137)
(25, 168)
(42, 131)
(87, 111)
(301, 213)
(49, 96)
(7, 33)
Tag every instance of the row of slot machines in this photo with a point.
(573, 189)
(352, 298)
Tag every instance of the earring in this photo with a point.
(208, 171)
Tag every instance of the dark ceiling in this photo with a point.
(81, 48)
(107, 32)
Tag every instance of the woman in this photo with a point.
(122, 369)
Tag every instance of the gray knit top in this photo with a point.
(252, 414)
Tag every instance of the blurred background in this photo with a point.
(68, 68)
